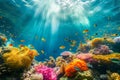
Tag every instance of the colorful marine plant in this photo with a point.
(75, 65)
(19, 57)
(48, 73)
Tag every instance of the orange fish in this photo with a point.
(62, 47)
(21, 45)
(10, 44)
(85, 31)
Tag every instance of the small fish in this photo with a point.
(31, 46)
(43, 39)
(22, 40)
(85, 31)
(21, 45)
(96, 33)
(95, 25)
(42, 51)
(10, 45)
(62, 47)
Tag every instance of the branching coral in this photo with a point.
(70, 69)
(19, 58)
(48, 73)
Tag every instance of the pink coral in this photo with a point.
(48, 73)
(85, 56)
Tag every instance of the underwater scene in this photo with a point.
(59, 39)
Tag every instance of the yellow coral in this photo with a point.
(19, 58)
(106, 58)
(115, 76)
(98, 41)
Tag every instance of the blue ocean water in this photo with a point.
(49, 24)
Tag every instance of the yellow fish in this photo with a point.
(43, 39)
(62, 47)
(22, 40)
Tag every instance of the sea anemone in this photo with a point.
(48, 73)
(70, 69)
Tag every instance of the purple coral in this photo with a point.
(48, 73)
(103, 49)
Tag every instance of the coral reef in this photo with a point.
(102, 49)
(31, 75)
(83, 48)
(78, 64)
(96, 42)
(85, 56)
(106, 58)
(115, 76)
(48, 73)
(19, 58)
(84, 75)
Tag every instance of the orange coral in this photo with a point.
(70, 68)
